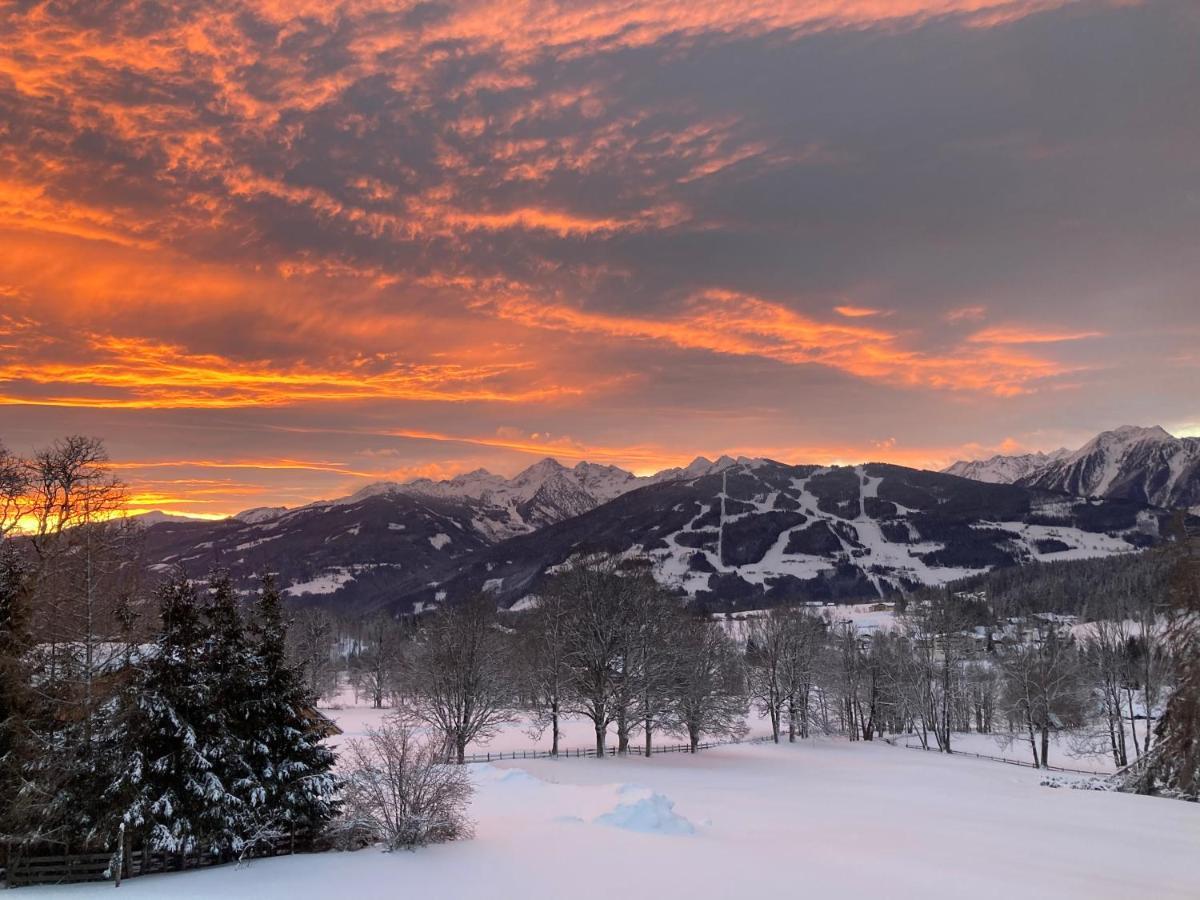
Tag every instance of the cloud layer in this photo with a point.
(270, 249)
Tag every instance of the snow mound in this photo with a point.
(518, 776)
(486, 772)
(649, 815)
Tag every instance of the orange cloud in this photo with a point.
(966, 314)
(133, 373)
(857, 312)
(737, 324)
(263, 464)
(543, 445)
(1018, 335)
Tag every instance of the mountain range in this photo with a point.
(734, 533)
(545, 493)
(1130, 463)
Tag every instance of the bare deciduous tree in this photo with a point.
(1044, 690)
(781, 649)
(710, 696)
(543, 662)
(377, 664)
(1104, 654)
(652, 653)
(937, 630)
(600, 599)
(15, 491)
(311, 646)
(458, 675)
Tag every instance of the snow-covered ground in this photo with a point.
(823, 819)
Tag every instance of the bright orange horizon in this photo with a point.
(270, 252)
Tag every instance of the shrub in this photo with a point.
(400, 788)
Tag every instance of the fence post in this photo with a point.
(120, 853)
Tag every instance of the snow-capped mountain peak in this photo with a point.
(1000, 469)
(545, 492)
(1131, 462)
(539, 472)
(1119, 441)
(260, 514)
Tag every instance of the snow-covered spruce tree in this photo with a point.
(291, 765)
(1174, 763)
(228, 730)
(15, 693)
(167, 783)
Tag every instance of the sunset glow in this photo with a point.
(273, 251)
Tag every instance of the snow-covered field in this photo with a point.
(823, 819)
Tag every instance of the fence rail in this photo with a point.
(593, 753)
(23, 870)
(1024, 763)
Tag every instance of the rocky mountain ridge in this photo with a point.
(1148, 465)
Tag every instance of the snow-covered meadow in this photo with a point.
(1066, 751)
(823, 818)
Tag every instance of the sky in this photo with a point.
(270, 251)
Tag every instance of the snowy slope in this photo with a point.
(1145, 464)
(390, 540)
(823, 818)
(1005, 469)
(761, 532)
(359, 554)
(731, 534)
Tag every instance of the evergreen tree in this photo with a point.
(167, 782)
(14, 684)
(227, 729)
(293, 767)
(1175, 761)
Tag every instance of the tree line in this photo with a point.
(605, 642)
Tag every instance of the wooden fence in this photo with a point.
(1002, 759)
(592, 753)
(582, 752)
(23, 870)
